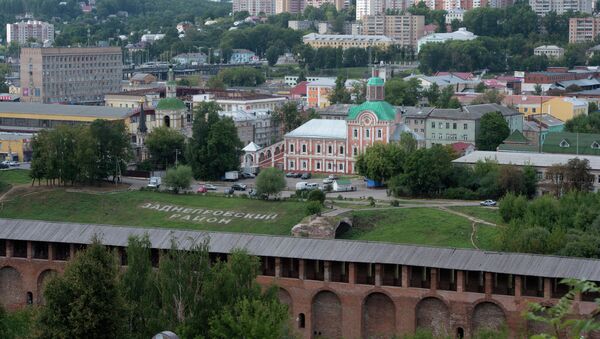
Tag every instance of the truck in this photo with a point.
(231, 176)
(154, 182)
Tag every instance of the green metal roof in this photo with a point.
(516, 137)
(579, 143)
(518, 148)
(375, 81)
(382, 109)
(343, 182)
(171, 104)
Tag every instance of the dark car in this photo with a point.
(238, 187)
(305, 176)
(246, 175)
(3, 166)
(290, 175)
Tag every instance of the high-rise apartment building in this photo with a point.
(70, 75)
(583, 29)
(542, 7)
(289, 6)
(369, 7)
(254, 7)
(405, 29)
(25, 31)
(339, 4)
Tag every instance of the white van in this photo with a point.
(154, 182)
(302, 185)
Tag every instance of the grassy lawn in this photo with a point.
(486, 236)
(423, 226)
(15, 176)
(126, 209)
(484, 213)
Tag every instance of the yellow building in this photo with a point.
(347, 41)
(565, 108)
(15, 146)
(32, 117)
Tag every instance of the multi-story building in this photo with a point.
(369, 7)
(542, 7)
(332, 145)
(70, 75)
(339, 4)
(454, 14)
(347, 41)
(300, 25)
(583, 29)
(289, 6)
(26, 31)
(405, 29)
(565, 108)
(551, 51)
(448, 126)
(318, 92)
(243, 56)
(254, 7)
(461, 34)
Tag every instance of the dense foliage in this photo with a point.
(179, 178)
(83, 154)
(165, 146)
(270, 181)
(493, 131)
(215, 146)
(584, 123)
(188, 294)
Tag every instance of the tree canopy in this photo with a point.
(493, 131)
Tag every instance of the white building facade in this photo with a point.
(24, 31)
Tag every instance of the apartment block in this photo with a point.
(583, 29)
(289, 6)
(339, 4)
(542, 7)
(405, 29)
(70, 75)
(254, 7)
(25, 31)
(347, 41)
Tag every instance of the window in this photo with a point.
(440, 135)
(465, 126)
(354, 151)
(441, 125)
(341, 150)
(292, 164)
(379, 133)
(355, 133)
(291, 148)
(367, 133)
(318, 165)
(525, 109)
(304, 164)
(432, 124)
(533, 110)
(454, 126)
(303, 148)
(330, 149)
(341, 167)
(447, 125)
(329, 166)
(319, 149)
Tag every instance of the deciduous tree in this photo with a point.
(270, 181)
(492, 131)
(165, 145)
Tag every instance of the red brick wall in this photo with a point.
(379, 316)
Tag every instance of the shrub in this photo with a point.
(512, 207)
(371, 201)
(395, 203)
(179, 178)
(316, 195)
(313, 207)
(461, 193)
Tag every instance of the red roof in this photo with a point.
(525, 99)
(299, 89)
(460, 147)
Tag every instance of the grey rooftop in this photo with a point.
(313, 249)
(100, 112)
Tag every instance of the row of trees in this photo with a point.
(330, 57)
(85, 153)
(188, 293)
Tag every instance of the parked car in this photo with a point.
(210, 187)
(305, 176)
(312, 186)
(290, 175)
(239, 187)
(154, 182)
(328, 181)
(333, 177)
(488, 203)
(3, 165)
(13, 163)
(228, 191)
(246, 175)
(201, 189)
